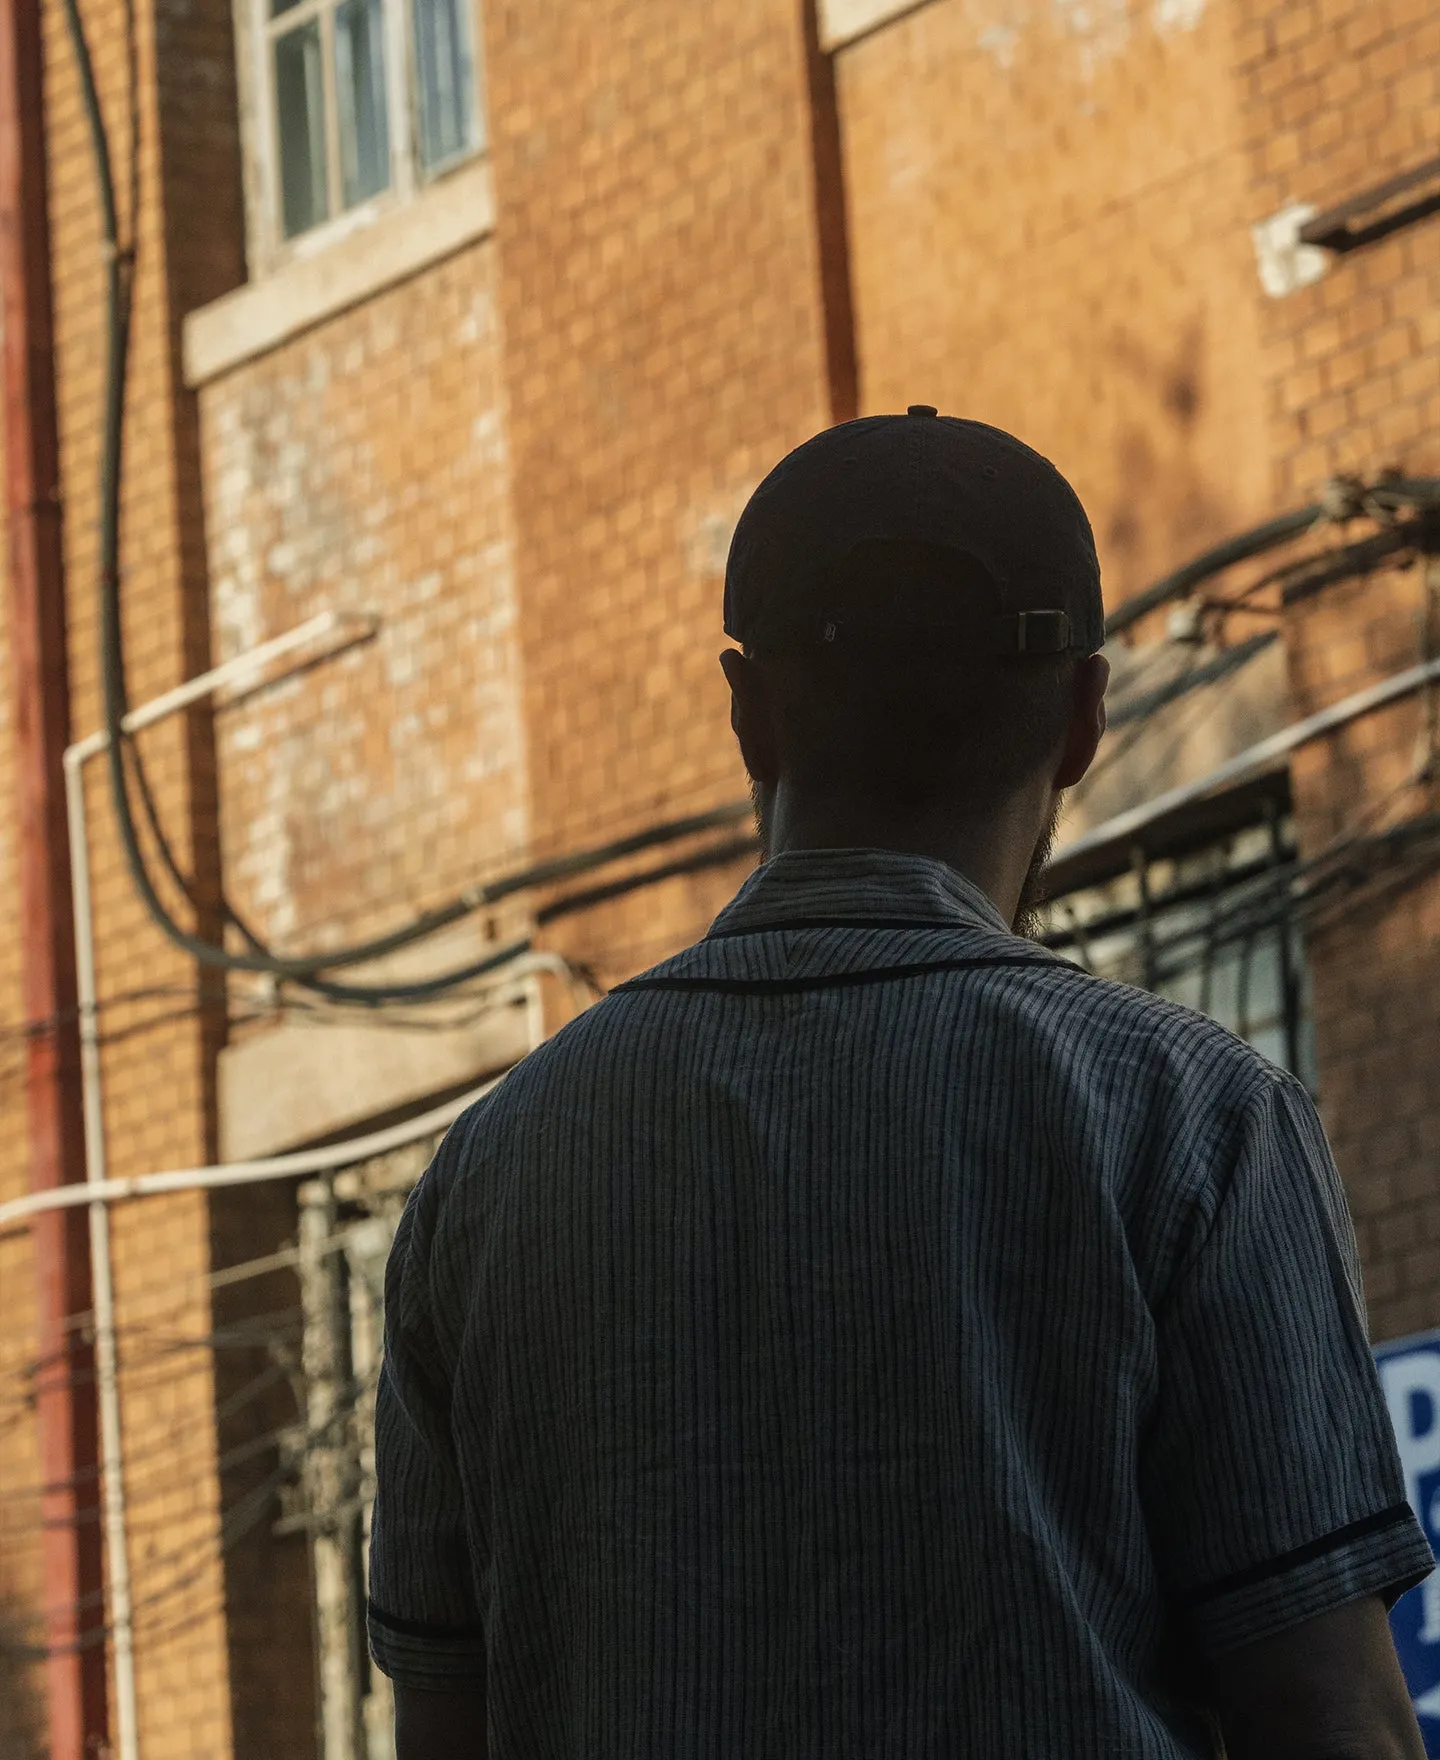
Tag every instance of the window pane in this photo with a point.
(445, 77)
(1212, 929)
(300, 106)
(360, 95)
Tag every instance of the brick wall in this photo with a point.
(1337, 95)
(1048, 232)
(159, 1043)
(360, 466)
(364, 466)
(664, 344)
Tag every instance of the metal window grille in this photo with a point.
(1212, 928)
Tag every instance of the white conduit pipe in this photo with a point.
(112, 1460)
(246, 1173)
(102, 1287)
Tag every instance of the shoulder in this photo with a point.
(1161, 1097)
(584, 1051)
(1107, 1025)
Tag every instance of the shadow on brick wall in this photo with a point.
(22, 1720)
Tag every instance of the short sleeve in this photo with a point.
(1272, 1484)
(424, 1621)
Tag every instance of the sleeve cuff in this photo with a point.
(417, 1654)
(1383, 1554)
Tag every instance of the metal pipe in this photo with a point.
(830, 226)
(107, 1385)
(1332, 231)
(249, 1173)
(65, 1411)
(228, 672)
(102, 1302)
(330, 1478)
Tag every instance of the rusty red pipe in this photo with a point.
(64, 1385)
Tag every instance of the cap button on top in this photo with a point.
(922, 409)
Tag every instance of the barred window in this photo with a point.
(1203, 913)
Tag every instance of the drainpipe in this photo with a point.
(832, 229)
(65, 1405)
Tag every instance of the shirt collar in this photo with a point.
(861, 885)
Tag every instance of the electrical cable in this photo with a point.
(716, 855)
(1196, 711)
(1344, 499)
(1211, 671)
(1296, 890)
(1211, 562)
(236, 1520)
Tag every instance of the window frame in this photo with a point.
(1174, 876)
(267, 247)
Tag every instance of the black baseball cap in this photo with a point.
(996, 552)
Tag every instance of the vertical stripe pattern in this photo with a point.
(866, 1335)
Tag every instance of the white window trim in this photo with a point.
(381, 244)
(267, 248)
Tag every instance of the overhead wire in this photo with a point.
(1344, 499)
(1270, 893)
(236, 1520)
(1240, 548)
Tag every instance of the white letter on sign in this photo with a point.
(1403, 1378)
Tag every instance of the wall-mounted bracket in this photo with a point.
(1375, 213)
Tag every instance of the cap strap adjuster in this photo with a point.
(1036, 632)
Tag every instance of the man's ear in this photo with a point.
(1087, 720)
(752, 716)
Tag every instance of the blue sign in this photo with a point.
(1410, 1375)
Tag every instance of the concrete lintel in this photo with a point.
(1183, 741)
(391, 244)
(304, 1079)
(298, 1082)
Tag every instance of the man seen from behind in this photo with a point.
(867, 1336)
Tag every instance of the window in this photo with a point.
(1208, 922)
(359, 99)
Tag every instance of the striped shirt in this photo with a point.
(867, 1335)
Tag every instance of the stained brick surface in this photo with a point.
(159, 1110)
(1049, 232)
(364, 467)
(664, 344)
